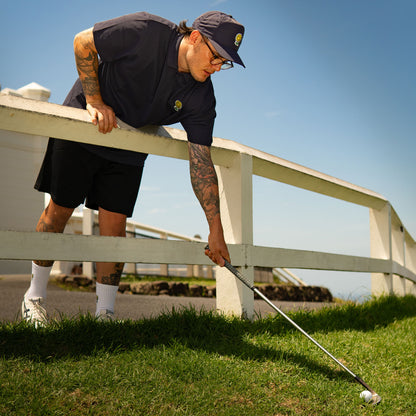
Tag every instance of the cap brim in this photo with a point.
(229, 55)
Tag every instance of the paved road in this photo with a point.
(71, 303)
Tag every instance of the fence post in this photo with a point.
(164, 268)
(381, 247)
(130, 268)
(236, 199)
(87, 229)
(389, 240)
(410, 261)
(398, 252)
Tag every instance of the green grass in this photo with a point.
(190, 280)
(194, 363)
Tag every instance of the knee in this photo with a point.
(54, 218)
(57, 211)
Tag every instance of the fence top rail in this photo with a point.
(46, 119)
(78, 216)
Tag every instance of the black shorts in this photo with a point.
(71, 175)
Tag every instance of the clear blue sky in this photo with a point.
(329, 84)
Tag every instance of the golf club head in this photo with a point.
(375, 400)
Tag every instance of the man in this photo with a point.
(142, 69)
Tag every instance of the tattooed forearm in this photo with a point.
(86, 59)
(87, 70)
(204, 179)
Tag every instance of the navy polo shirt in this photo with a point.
(139, 79)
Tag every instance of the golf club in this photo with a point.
(374, 399)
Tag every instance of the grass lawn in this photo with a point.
(189, 280)
(194, 363)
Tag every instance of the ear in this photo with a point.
(195, 37)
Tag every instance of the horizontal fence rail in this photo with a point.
(20, 245)
(393, 250)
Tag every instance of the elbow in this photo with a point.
(84, 40)
(76, 42)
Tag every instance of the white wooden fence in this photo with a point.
(393, 250)
(86, 223)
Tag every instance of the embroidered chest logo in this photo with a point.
(178, 105)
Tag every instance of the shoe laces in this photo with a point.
(105, 315)
(34, 311)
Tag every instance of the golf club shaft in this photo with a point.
(236, 273)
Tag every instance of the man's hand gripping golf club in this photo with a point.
(375, 398)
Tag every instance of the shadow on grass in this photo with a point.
(199, 330)
(375, 313)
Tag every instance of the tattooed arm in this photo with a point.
(86, 58)
(205, 185)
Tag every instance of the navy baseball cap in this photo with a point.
(224, 32)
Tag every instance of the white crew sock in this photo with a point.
(106, 297)
(39, 282)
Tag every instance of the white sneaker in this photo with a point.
(33, 311)
(105, 315)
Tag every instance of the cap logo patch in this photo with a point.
(178, 105)
(238, 39)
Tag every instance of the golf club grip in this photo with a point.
(236, 273)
